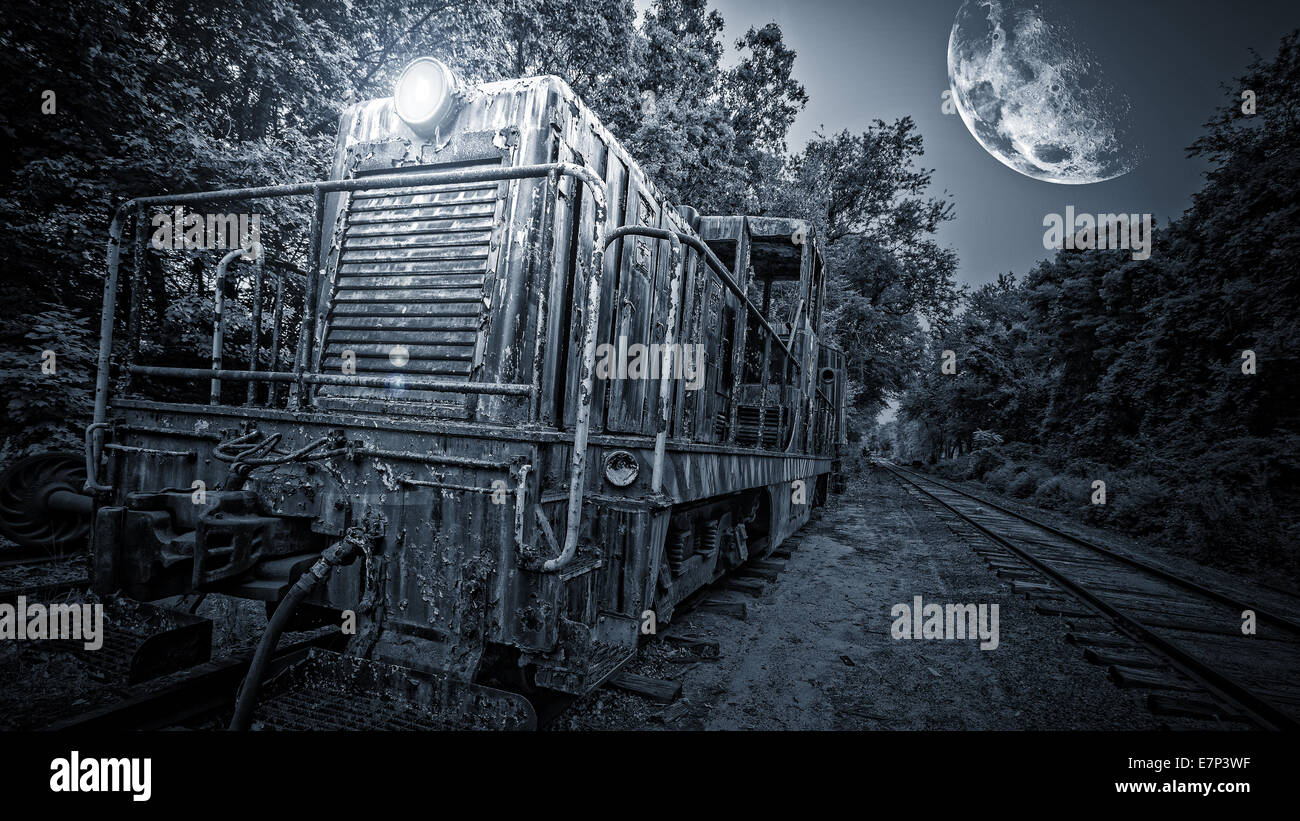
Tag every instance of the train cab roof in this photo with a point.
(776, 245)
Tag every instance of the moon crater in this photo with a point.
(1034, 98)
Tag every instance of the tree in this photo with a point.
(763, 99)
(685, 141)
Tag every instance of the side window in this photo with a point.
(754, 336)
(726, 355)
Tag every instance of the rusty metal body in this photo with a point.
(523, 509)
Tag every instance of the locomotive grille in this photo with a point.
(747, 419)
(409, 292)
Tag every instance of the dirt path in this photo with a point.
(816, 652)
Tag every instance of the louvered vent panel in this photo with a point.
(410, 283)
(747, 419)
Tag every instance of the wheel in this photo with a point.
(26, 515)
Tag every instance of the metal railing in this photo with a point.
(677, 263)
(311, 315)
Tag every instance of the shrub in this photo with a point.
(45, 411)
(1023, 485)
(1063, 493)
(985, 460)
(961, 467)
(1000, 477)
(1135, 502)
(986, 439)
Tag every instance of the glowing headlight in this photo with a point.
(424, 94)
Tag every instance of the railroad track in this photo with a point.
(210, 688)
(1181, 638)
(749, 581)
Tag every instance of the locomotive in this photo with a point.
(439, 456)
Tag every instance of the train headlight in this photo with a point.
(425, 94)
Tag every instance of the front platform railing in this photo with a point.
(301, 374)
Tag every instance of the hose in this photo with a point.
(339, 553)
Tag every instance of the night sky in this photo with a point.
(887, 58)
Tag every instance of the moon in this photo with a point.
(1034, 97)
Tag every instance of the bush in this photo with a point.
(46, 411)
(1063, 493)
(1138, 503)
(1025, 483)
(986, 439)
(985, 460)
(961, 467)
(1000, 477)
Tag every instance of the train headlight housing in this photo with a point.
(425, 95)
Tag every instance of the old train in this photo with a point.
(445, 455)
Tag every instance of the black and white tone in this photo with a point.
(648, 365)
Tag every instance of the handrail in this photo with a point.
(582, 427)
(676, 238)
(595, 185)
(749, 305)
(113, 261)
(219, 318)
(794, 326)
(582, 424)
(339, 380)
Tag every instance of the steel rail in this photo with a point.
(1217, 682)
(1159, 572)
(42, 590)
(203, 689)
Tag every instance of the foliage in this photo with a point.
(1134, 369)
(42, 405)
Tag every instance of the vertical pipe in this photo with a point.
(307, 327)
(254, 343)
(741, 346)
(545, 250)
(219, 321)
(521, 500)
(272, 388)
(677, 262)
(95, 432)
(699, 279)
(764, 379)
(591, 323)
(786, 372)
